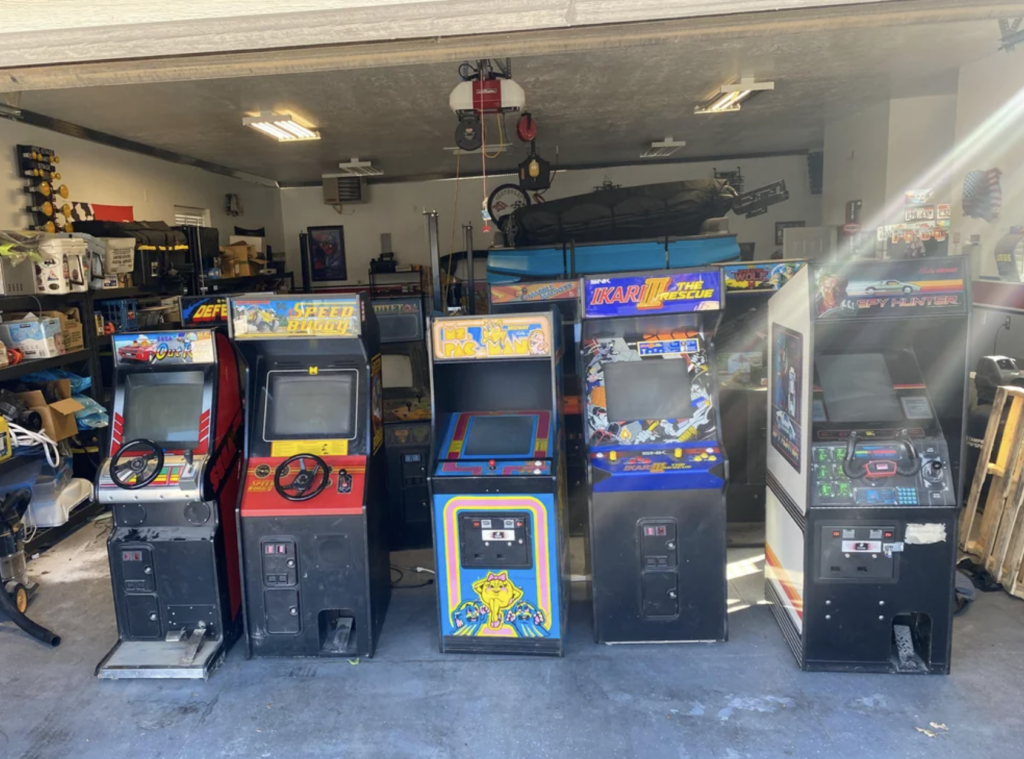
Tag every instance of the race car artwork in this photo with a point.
(142, 350)
(891, 286)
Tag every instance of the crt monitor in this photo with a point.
(396, 371)
(499, 436)
(302, 406)
(652, 389)
(857, 388)
(164, 407)
(397, 328)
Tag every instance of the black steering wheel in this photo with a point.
(304, 484)
(903, 438)
(145, 465)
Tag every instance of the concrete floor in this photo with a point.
(745, 698)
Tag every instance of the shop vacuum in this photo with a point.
(16, 588)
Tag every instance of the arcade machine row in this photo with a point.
(525, 297)
(868, 390)
(657, 470)
(313, 513)
(172, 480)
(742, 348)
(406, 374)
(498, 485)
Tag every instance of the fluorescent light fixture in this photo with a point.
(731, 96)
(663, 148)
(281, 126)
(357, 168)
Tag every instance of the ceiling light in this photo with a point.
(663, 148)
(280, 126)
(731, 96)
(357, 168)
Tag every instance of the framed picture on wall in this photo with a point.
(782, 226)
(327, 254)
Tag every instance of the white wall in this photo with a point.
(922, 132)
(856, 155)
(990, 112)
(99, 174)
(398, 208)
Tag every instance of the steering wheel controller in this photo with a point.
(141, 459)
(854, 469)
(308, 482)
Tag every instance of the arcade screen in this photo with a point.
(500, 436)
(857, 388)
(165, 408)
(400, 328)
(653, 389)
(308, 407)
(396, 370)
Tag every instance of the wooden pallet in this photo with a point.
(997, 537)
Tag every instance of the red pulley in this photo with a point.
(527, 128)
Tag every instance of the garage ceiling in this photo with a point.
(598, 108)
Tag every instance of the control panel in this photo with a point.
(691, 467)
(881, 474)
(659, 567)
(861, 553)
(494, 540)
(493, 467)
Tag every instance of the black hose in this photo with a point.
(38, 632)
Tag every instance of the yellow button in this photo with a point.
(712, 458)
(612, 455)
(678, 453)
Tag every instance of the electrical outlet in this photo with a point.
(1006, 323)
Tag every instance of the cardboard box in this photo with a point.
(58, 417)
(70, 325)
(17, 279)
(256, 243)
(36, 338)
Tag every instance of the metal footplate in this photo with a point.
(908, 661)
(180, 655)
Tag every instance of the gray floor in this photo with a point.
(745, 698)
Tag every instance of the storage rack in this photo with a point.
(86, 361)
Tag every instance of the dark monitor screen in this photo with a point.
(396, 370)
(500, 436)
(857, 388)
(396, 328)
(652, 389)
(164, 407)
(304, 406)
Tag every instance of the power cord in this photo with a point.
(25, 438)
(401, 576)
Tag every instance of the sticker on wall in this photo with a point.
(787, 385)
(983, 194)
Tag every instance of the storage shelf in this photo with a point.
(34, 365)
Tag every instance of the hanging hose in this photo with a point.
(38, 632)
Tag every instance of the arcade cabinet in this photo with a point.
(868, 390)
(658, 471)
(406, 420)
(171, 481)
(312, 516)
(741, 344)
(524, 297)
(496, 484)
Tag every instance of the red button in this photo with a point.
(835, 533)
(492, 463)
(888, 534)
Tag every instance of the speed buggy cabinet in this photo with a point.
(312, 514)
(656, 468)
(497, 483)
(867, 391)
